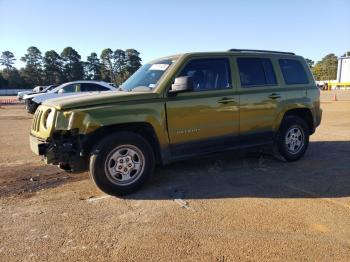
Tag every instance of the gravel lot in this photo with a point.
(228, 207)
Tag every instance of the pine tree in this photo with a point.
(72, 66)
(32, 72)
(133, 61)
(93, 67)
(53, 68)
(7, 59)
(120, 66)
(107, 70)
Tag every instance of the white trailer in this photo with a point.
(343, 72)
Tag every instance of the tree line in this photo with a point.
(326, 68)
(53, 68)
(111, 66)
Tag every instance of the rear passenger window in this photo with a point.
(89, 87)
(293, 72)
(256, 72)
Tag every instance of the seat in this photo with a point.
(198, 80)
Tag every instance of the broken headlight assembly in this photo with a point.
(63, 120)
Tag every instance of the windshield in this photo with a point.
(49, 88)
(55, 90)
(147, 76)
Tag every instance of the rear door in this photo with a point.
(205, 119)
(260, 95)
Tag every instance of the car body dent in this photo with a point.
(104, 109)
(96, 99)
(151, 112)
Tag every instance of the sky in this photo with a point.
(159, 28)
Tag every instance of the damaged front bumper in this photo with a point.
(64, 150)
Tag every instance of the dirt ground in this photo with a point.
(230, 207)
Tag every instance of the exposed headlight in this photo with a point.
(49, 118)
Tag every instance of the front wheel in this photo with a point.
(121, 163)
(31, 106)
(292, 139)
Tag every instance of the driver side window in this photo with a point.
(208, 74)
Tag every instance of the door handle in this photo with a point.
(274, 96)
(226, 100)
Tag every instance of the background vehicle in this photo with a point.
(38, 89)
(180, 107)
(43, 89)
(32, 101)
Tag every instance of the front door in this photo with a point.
(207, 118)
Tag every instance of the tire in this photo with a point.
(122, 163)
(31, 106)
(292, 138)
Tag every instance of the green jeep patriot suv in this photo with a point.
(179, 107)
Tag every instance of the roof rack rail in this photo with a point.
(260, 51)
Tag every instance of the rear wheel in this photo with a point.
(122, 163)
(292, 139)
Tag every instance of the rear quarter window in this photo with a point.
(293, 71)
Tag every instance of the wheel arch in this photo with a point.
(303, 113)
(143, 129)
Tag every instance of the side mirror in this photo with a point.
(61, 91)
(182, 84)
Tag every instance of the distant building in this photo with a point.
(343, 72)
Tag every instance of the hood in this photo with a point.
(25, 93)
(97, 98)
(32, 95)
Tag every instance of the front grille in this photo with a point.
(36, 120)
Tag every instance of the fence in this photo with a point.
(11, 92)
(9, 101)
